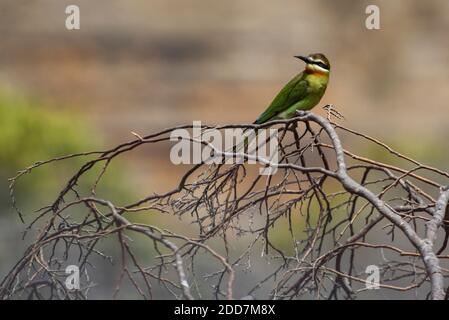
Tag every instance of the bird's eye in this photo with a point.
(322, 65)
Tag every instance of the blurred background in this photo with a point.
(143, 66)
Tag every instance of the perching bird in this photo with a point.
(303, 92)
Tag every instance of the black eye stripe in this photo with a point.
(322, 65)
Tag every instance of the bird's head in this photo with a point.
(316, 63)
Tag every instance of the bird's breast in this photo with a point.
(317, 82)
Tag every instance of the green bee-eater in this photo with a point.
(303, 92)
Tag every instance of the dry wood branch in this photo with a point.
(310, 226)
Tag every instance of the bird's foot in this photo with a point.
(301, 113)
(331, 111)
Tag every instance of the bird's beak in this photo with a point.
(305, 59)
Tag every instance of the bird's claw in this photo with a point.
(301, 112)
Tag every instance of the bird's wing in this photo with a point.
(293, 92)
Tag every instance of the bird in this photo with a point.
(303, 92)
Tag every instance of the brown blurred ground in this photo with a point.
(145, 65)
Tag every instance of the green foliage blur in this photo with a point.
(31, 131)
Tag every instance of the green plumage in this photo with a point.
(303, 92)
